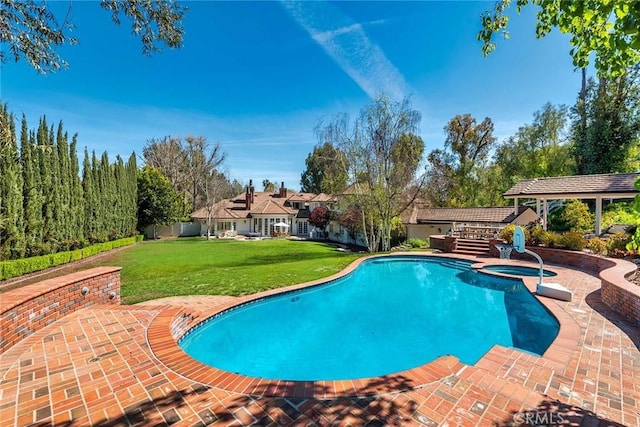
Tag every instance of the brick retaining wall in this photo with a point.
(617, 292)
(28, 309)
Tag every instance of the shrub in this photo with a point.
(18, 267)
(416, 243)
(619, 213)
(555, 221)
(634, 241)
(506, 234)
(577, 216)
(597, 246)
(573, 241)
(550, 239)
(537, 234)
(618, 242)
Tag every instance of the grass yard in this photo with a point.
(220, 267)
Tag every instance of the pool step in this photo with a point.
(472, 247)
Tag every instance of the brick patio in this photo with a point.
(96, 366)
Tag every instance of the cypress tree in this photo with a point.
(90, 211)
(64, 188)
(57, 218)
(76, 205)
(45, 182)
(11, 216)
(132, 194)
(30, 190)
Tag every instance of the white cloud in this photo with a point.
(348, 45)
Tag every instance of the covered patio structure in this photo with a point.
(584, 187)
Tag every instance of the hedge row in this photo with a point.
(18, 267)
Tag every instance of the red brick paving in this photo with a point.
(96, 367)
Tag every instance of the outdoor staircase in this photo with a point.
(472, 247)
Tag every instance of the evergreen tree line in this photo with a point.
(46, 205)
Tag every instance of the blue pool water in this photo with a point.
(388, 315)
(517, 270)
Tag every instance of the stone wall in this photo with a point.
(30, 308)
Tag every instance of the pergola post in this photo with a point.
(515, 206)
(598, 214)
(538, 206)
(544, 214)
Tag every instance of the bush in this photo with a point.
(416, 243)
(618, 242)
(18, 267)
(619, 213)
(550, 239)
(506, 234)
(597, 245)
(573, 241)
(537, 234)
(577, 216)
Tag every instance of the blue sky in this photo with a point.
(257, 76)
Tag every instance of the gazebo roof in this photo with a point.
(576, 185)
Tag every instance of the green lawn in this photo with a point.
(220, 267)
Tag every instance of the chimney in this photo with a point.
(283, 191)
(247, 198)
(251, 189)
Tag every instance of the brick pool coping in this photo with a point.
(172, 323)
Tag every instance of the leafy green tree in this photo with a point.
(324, 171)
(382, 155)
(609, 30)
(158, 202)
(234, 189)
(454, 173)
(269, 186)
(29, 30)
(606, 125)
(539, 149)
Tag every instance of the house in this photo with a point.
(253, 213)
(422, 222)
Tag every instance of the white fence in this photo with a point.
(177, 229)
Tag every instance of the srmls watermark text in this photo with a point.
(535, 418)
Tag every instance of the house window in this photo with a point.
(303, 227)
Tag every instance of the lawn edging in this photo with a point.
(30, 308)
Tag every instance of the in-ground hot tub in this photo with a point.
(517, 270)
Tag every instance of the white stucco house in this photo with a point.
(253, 213)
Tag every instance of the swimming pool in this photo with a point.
(390, 314)
(518, 270)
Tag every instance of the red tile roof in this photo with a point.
(264, 203)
